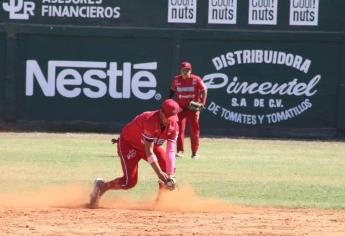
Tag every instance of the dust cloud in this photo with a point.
(75, 196)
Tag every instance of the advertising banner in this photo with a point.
(250, 84)
(182, 11)
(261, 84)
(263, 12)
(83, 12)
(53, 10)
(225, 14)
(304, 12)
(222, 12)
(93, 79)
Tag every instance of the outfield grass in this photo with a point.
(306, 174)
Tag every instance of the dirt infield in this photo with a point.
(63, 211)
(79, 221)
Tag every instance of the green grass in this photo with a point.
(275, 173)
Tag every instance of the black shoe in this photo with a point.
(195, 156)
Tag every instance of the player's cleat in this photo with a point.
(179, 154)
(96, 193)
(195, 156)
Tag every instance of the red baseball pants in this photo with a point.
(130, 158)
(194, 129)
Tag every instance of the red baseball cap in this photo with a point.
(185, 65)
(170, 109)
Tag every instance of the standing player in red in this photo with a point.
(142, 139)
(188, 88)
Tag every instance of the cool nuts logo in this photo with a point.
(259, 96)
(72, 79)
(182, 11)
(304, 12)
(222, 11)
(263, 12)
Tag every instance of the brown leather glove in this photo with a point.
(195, 106)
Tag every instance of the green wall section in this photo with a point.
(264, 79)
(2, 75)
(341, 100)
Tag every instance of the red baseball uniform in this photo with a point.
(187, 90)
(131, 144)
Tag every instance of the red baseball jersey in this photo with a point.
(147, 126)
(187, 89)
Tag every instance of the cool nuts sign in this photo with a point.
(263, 12)
(222, 11)
(182, 11)
(304, 12)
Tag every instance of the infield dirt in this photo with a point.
(63, 211)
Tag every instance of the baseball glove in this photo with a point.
(171, 183)
(195, 106)
(114, 140)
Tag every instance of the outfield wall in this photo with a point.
(2, 75)
(274, 71)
